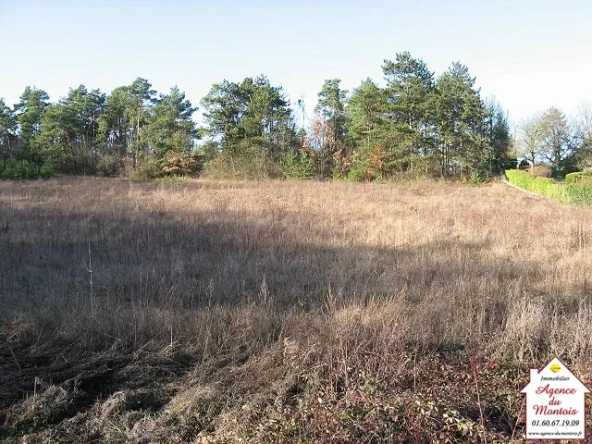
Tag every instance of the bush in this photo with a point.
(109, 165)
(579, 177)
(146, 170)
(477, 177)
(358, 173)
(580, 193)
(248, 160)
(540, 185)
(542, 171)
(519, 178)
(46, 171)
(178, 164)
(299, 166)
(22, 169)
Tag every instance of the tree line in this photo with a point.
(90, 132)
(418, 124)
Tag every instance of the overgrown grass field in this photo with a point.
(208, 311)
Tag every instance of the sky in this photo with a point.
(528, 55)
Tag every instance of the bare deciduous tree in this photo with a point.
(530, 139)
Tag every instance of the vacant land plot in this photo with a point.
(204, 311)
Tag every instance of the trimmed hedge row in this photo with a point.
(579, 177)
(578, 192)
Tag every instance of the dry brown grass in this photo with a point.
(250, 284)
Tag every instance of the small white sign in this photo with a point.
(555, 403)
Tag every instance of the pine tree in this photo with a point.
(461, 114)
(29, 110)
(8, 126)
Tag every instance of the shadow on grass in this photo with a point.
(172, 279)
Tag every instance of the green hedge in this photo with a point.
(579, 177)
(579, 192)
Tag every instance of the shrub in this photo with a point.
(540, 185)
(519, 178)
(109, 165)
(477, 177)
(358, 173)
(146, 169)
(299, 166)
(22, 169)
(580, 193)
(579, 177)
(46, 171)
(542, 171)
(248, 160)
(177, 164)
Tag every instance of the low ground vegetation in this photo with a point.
(206, 311)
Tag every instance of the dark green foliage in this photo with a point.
(108, 165)
(410, 112)
(252, 121)
(496, 130)
(365, 114)
(29, 111)
(235, 112)
(171, 128)
(69, 131)
(123, 125)
(461, 116)
(299, 165)
(419, 124)
(9, 143)
(23, 169)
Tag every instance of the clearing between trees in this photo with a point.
(206, 311)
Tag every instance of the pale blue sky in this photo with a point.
(529, 54)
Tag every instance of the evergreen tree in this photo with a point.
(497, 130)
(331, 109)
(29, 110)
(410, 95)
(253, 117)
(365, 114)
(128, 110)
(69, 131)
(171, 127)
(460, 113)
(366, 130)
(8, 127)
